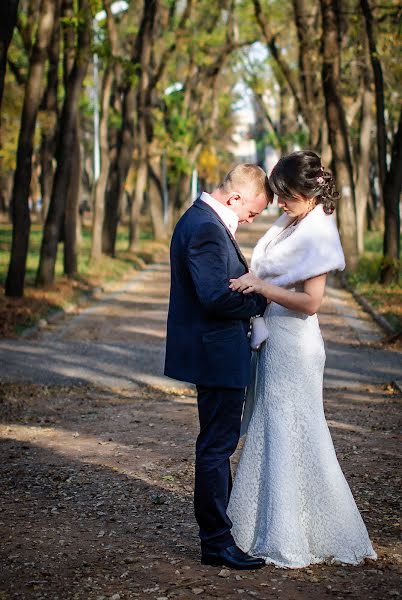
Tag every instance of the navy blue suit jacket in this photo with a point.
(207, 327)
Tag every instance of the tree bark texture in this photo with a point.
(65, 146)
(22, 176)
(379, 93)
(137, 203)
(392, 218)
(8, 19)
(155, 193)
(50, 108)
(363, 158)
(363, 167)
(71, 217)
(100, 185)
(337, 130)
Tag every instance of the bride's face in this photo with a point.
(296, 207)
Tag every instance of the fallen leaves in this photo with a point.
(84, 526)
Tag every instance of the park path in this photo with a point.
(120, 341)
(96, 458)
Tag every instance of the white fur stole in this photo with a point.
(312, 248)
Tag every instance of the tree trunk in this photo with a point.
(182, 196)
(119, 170)
(309, 68)
(390, 180)
(8, 19)
(48, 253)
(50, 107)
(22, 175)
(100, 185)
(136, 204)
(287, 118)
(326, 151)
(112, 209)
(392, 219)
(118, 174)
(379, 93)
(155, 192)
(363, 162)
(337, 130)
(71, 212)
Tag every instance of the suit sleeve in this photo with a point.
(207, 261)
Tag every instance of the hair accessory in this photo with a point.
(320, 179)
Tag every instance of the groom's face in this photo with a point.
(247, 205)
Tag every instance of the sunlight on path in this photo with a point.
(120, 340)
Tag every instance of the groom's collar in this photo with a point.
(206, 206)
(227, 216)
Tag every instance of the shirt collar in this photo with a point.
(228, 216)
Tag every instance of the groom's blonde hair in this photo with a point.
(250, 176)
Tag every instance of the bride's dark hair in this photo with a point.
(302, 173)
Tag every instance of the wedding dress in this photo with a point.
(290, 502)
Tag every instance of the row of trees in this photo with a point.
(340, 75)
(168, 75)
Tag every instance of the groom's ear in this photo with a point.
(233, 198)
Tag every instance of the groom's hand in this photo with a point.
(247, 284)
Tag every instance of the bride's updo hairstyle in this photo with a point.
(302, 174)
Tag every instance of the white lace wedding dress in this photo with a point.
(290, 503)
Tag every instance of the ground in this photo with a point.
(97, 459)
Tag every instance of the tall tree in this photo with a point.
(390, 179)
(363, 154)
(125, 141)
(8, 19)
(22, 176)
(50, 112)
(392, 219)
(70, 217)
(106, 92)
(143, 129)
(337, 129)
(65, 145)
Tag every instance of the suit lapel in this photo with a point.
(236, 245)
(198, 203)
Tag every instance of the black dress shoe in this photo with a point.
(231, 557)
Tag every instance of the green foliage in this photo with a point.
(386, 299)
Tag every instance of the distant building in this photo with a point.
(243, 145)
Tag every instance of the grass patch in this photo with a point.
(387, 300)
(18, 313)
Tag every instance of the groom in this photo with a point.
(207, 343)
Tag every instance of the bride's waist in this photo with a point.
(275, 310)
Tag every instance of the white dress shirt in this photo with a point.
(228, 216)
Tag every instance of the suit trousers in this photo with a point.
(219, 412)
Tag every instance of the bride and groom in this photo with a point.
(290, 504)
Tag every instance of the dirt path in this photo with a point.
(97, 459)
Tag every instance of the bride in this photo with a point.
(290, 503)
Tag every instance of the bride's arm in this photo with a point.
(308, 301)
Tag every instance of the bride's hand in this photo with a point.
(247, 284)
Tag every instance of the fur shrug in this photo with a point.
(312, 248)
